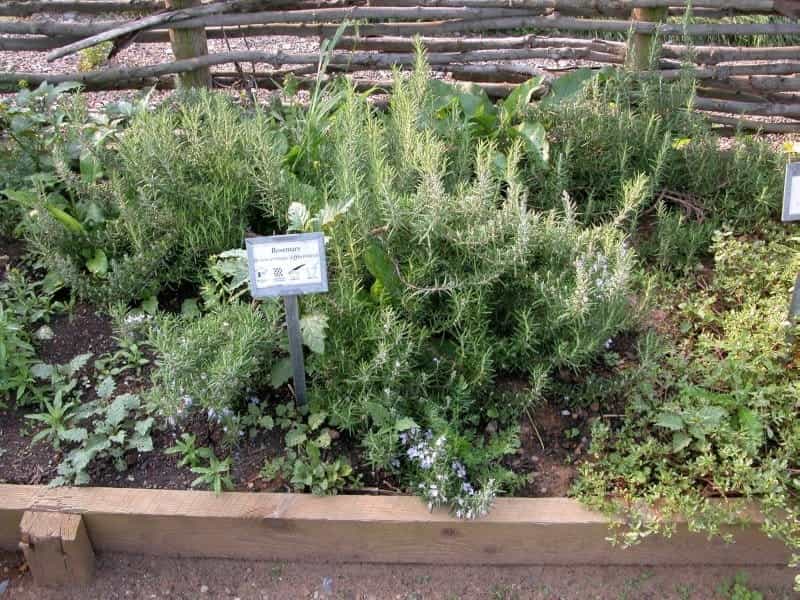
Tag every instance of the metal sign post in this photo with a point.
(289, 266)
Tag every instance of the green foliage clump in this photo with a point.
(26, 307)
(711, 415)
(212, 361)
(447, 281)
(184, 182)
(91, 58)
(622, 129)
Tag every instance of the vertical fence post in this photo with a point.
(642, 45)
(189, 43)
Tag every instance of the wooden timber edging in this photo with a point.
(373, 529)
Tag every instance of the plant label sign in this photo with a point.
(791, 193)
(287, 265)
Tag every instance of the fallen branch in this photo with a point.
(751, 125)
(717, 54)
(747, 108)
(26, 8)
(161, 19)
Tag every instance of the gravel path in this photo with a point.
(135, 577)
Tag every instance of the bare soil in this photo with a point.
(11, 252)
(137, 577)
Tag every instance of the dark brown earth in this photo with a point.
(80, 331)
(11, 252)
(148, 578)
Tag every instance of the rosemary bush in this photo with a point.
(449, 283)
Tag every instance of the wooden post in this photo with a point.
(643, 45)
(57, 548)
(189, 43)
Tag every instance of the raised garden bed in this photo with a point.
(586, 296)
(266, 526)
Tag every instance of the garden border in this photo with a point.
(360, 528)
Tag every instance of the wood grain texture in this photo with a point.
(57, 548)
(554, 531)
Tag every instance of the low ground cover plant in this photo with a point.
(585, 242)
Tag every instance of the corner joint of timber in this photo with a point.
(57, 548)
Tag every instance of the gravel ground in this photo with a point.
(138, 577)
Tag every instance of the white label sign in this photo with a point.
(287, 265)
(791, 193)
(794, 196)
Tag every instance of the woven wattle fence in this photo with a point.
(495, 43)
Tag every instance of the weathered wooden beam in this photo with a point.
(120, 29)
(398, 529)
(734, 123)
(766, 109)
(643, 46)
(26, 8)
(463, 44)
(57, 548)
(716, 54)
(312, 25)
(187, 44)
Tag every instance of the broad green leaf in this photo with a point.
(142, 442)
(77, 363)
(143, 427)
(190, 308)
(680, 440)
(712, 416)
(671, 421)
(150, 305)
(315, 420)
(535, 138)
(681, 143)
(298, 217)
(404, 424)
(20, 124)
(281, 372)
(26, 198)
(66, 86)
(313, 329)
(474, 101)
(519, 98)
(295, 437)
(106, 387)
(381, 267)
(568, 86)
(330, 213)
(379, 413)
(77, 435)
(98, 264)
(117, 411)
(323, 440)
(65, 219)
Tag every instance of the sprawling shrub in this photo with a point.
(442, 286)
(621, 129)
(186, 181)
(211, 361)
(711, 416)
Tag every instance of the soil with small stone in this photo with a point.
(126, 577)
